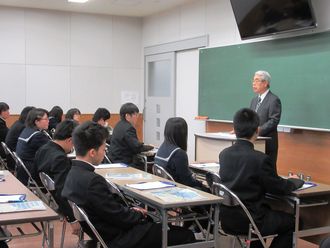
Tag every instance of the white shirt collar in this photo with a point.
(263, 95)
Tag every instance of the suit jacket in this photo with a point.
(250, 175)
(117, 224)
(52, 159)
(125, 144)
(269, 113)
(175, 161)
(3, 133)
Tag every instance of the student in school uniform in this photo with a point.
(102, 116)
(52, 159)
(250, 175)
(14, 133)
(4, 114)
(172, 154)
(124, 142)
(55, 117)
(119, 226)
(30, 140)
(73, 114)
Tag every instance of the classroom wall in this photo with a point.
(215, 18)
(69, 59)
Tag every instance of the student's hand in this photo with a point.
(141, 210)
(232, 131)
(75, 228)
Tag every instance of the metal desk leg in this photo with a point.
(164, 228)
(296, 228)
(51, 234)
(216, 224)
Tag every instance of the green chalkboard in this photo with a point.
(300, 70)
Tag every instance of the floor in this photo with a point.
(71, 240)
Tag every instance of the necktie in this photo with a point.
(258, 103)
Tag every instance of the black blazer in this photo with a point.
(3, 133)
(125, 144)
(250, 174)
(52, 159)
(269, 113)
(119, 225)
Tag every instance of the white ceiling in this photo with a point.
(111, 7)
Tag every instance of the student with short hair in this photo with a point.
(52, 159)
(124, 142)
(33, 136)
(4, 114)
(73, 114)
(119, 226)
(250, 174)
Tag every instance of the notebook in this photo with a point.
(21, 206)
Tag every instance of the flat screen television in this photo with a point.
(256, 18)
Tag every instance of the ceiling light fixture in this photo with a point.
(77, 1)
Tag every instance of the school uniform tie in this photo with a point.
(258, 104)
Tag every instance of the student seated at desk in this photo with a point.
(14, 133)
(4, 114)
(250, 175)
(30, 140)
(172, 154)
(101, 116)
(55, 117)
(52, 159)
(73, 114)
(119, 226)
(124, 142)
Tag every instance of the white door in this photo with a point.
(159, 95)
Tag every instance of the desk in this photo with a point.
(146, 197)
(309, 205)
(209, 145)
(13, 186)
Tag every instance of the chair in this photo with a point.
(10, 154)
(211, 178)
(81, 216)
(230, 199)
(161, 172)
(106, 158)
(32, 184)
(49, 185)
(115, 190)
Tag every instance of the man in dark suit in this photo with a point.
(124, 142)
(119, 226)
(52, 159)
(4, 114)
(250, 175)
(268, 106)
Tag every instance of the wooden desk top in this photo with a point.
(12, 185)
(147, 197)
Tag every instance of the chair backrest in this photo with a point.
(6, 150)
(161, 172)
(230, 199)
(81, 216)
(115, 190)
(211, 178)
(49, 185)
(32, 184)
